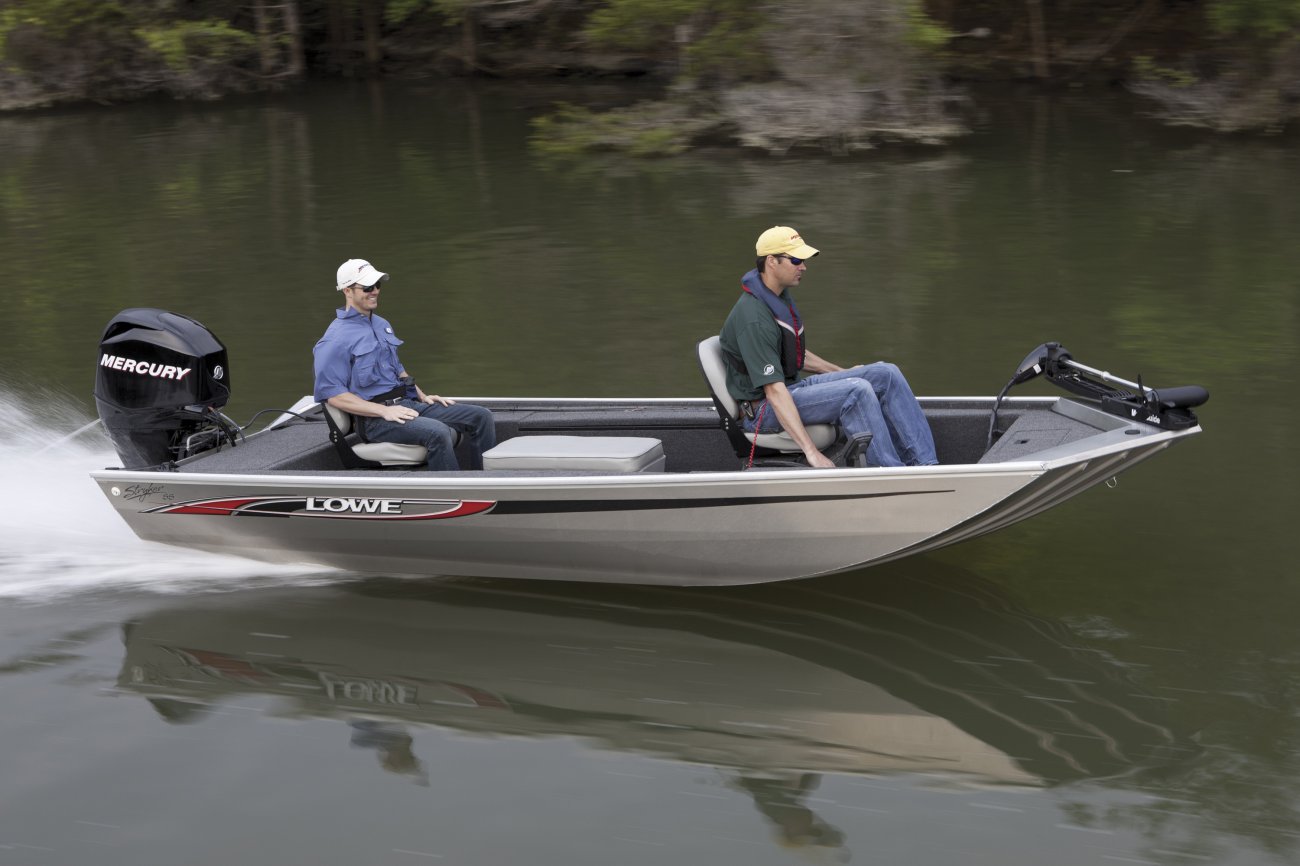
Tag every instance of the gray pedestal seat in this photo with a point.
(356, 454)
(714, 369)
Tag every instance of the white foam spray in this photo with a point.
(58, 534)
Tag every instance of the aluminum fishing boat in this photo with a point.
(646, 491)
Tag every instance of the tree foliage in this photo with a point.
(850, 65)
(836, 75)
(185, 43)
(57, 21)
(1268, 19)
(121, 48)
(452, 11)
(704, 37)
(733, 40)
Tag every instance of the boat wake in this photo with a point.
(60, 536)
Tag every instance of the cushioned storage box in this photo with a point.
(616, 455)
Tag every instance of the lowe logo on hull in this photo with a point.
(329, 507)
(145, 368)
(354, 506)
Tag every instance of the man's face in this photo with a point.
(786, 271)
(363, 299)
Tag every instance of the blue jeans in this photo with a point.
(434, 429)
(872, 398)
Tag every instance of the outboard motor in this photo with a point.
(160, 385)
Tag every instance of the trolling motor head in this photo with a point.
(1044, 359)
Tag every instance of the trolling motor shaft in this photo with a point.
(1167, 408)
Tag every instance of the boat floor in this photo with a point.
(692, 438)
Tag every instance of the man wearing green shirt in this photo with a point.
(763, 344)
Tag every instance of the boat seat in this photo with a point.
(715, 374)
(356, 454)
(617, 455)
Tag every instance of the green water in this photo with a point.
(1116, 681)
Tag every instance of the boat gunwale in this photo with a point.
(746, 478)
(705, 479)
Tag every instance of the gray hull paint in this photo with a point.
(690, 528)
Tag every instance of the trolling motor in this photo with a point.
(1167, 408)
(161, 383)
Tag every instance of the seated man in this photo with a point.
(357, 371)
(764, 347)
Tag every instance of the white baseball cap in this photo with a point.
(358, 271)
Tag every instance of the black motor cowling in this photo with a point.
(161, 382)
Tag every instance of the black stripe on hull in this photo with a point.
(573, 506)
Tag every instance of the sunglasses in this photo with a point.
(367, 289)
(792, 259)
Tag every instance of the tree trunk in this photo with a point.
(265, 45)
(1038, 38)
(293, 24)
(469, 45)
(340, 34)
(370, 29)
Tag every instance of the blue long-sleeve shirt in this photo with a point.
(357, 354)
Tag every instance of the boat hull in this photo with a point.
(700, 528)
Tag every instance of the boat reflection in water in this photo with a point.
(923, 671)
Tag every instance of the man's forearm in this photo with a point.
(817, 364)
(354, 405)
(779, 401)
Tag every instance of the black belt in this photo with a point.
(390, 398)
(751, 407)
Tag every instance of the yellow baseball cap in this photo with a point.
(783, 239)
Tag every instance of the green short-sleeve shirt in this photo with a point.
(753, 336)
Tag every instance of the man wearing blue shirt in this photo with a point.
(358, 372)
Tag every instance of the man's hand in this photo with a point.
(818, 460)
(434, 398)
(779, 401)
(398, 414)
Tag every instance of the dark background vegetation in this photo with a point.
(847, 73)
